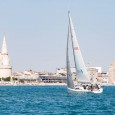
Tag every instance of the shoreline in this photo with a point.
(40, 84)
(32, 84)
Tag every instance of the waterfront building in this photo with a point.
(103, 78)
(61, 72)
(98, 69)
(95, 74)
(111, 73)
(52, 79)
(92, 74)
(30, 76)
(5, 67)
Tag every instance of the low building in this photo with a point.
(53, 79)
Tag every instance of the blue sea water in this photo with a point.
(54, 100)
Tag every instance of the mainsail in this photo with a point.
(81, 70)
(70, 83)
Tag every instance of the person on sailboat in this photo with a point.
(84, 86)
(97, 86)
(92, 87)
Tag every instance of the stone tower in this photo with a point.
(5, 67)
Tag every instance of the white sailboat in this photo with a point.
(83, 80)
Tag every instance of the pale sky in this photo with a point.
(36, 32)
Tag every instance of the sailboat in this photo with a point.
(83, 83)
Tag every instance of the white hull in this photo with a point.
(98, 91)
(85, 90)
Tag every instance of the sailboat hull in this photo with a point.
(98, 91)
(78, 90)
(85, 90)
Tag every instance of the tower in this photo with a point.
(5, 67)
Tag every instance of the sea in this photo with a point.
(55, 100)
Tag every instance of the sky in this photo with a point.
(36, 32)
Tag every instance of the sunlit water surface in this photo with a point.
(54, 100)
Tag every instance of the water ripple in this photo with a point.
(53, 100)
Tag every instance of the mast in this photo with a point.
(72, 41)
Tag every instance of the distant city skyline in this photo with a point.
(36, 32)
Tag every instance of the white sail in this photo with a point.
(81, 70)
(70, 83)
